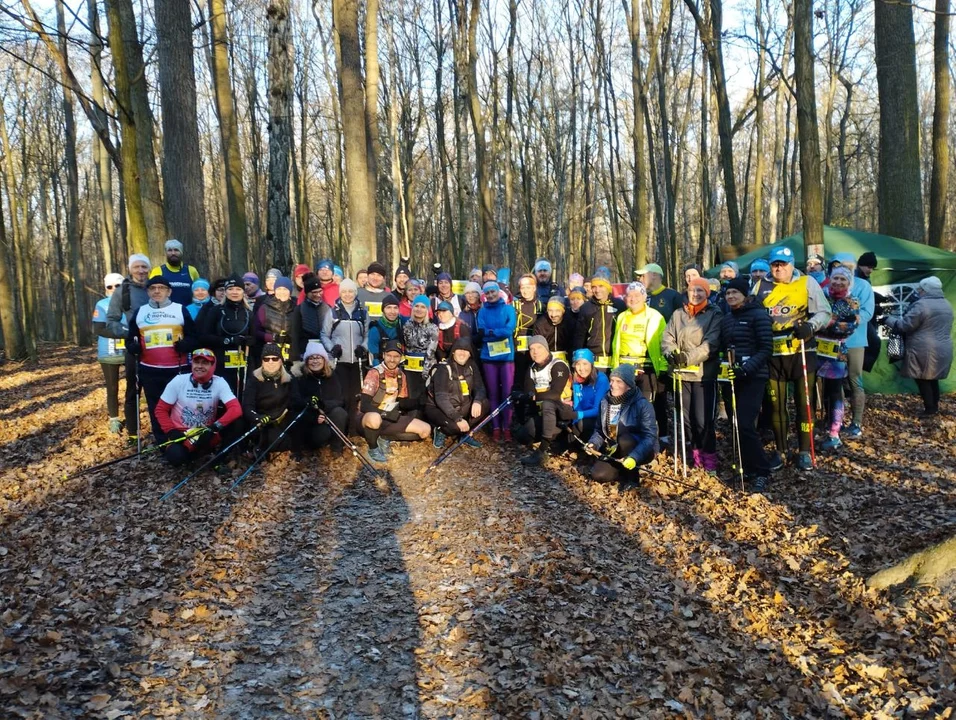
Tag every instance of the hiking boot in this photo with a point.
(804, 462)
(439, 441)
(831, 443)
(115, 426)
(496, 436)
(385, 446)
(507, 435)
(539, 456)
(854, 431)
(471, 442)
(709, 462)
(776, 462)
(376, 455)
(760, 484)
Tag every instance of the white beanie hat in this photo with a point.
(113, 279)
(931, 283)
(314, 348)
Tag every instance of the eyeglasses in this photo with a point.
(111, 287)
(271, 358)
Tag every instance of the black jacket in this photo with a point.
(306, 386)
(748, 331)
(308, 319)
(264, 397)
(445, 392)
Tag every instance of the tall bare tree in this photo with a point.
(939, 183)
(101, 160)
(280, 133)
(811, 192)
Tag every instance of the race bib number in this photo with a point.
(235, 359)
(724, 374)
(632, 360)
(785, 346)
(374, 309)
(115, 346)
(603, 362)
(499, 348)
(160, 338)
(560, 355)
(415, 363)
(828, 348)
(464, 388)
(522, 343)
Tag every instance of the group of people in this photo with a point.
(391, 357)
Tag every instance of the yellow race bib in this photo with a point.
(235, 359)
(374, 309)
(522, 343)
(828, 348)
(161, 337)
(785, 346)
(415, 363)
(724, 374)
(464, 388)
(498, 348)
(603, 362)
(560, 355)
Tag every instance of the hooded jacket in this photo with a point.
(496, 325)
(636, 419)
(927, 327)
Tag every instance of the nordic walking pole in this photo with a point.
(675, 435)
(266, 452)
(139, 434)
(683, 430)
(738, 452)
(222, 453)
(148, 451)
(352, 447)
(806, 394)
(447, 453)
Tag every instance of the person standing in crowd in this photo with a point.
(474, 275)
(110, 352)
(659, 297)
(856, 343)
(457, 400)
(832, 350)
(527, 309)
(576, 300)
(815, 268)
(381, 330)
(324, 271)
(595, 329)
(470, 307)
(218, 291)
(589, 386)
(161, 334)
(388, 412)
(179, 275)
(759, 269)
(250, 285)
(637, 341)
(200, 290)
(866, 264)
(315, 386)
(361, 278)
(308, 318)
(413, 288)
(496, 328)
(272, 321)
(691, 344)
(401, 278)
(558, 334)
(267, 400)
(123, 306)
(548, 393)
(445, 294)
(626, 435)
(374, 291)
(421, 341)
(187, 410)
(450, 329)
(546, 287)
(227, 329)
(927, 329)
(299, 276)
(748, 342)
(338, 274)
(343, 337)
(798, 310)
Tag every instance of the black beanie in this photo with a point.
(740, 284)
(868, 259)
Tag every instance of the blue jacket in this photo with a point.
(587, 397)
(637, 419)
(496, 323)
(379, 333)
(108, 350)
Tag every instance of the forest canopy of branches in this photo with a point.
(590, 131)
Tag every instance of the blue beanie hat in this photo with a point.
(201, 283)
(421, 300)
(284, 282)
(760, 264)
(583, 354)
(326, 264)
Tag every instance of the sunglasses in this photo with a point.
(111, 287)
(271, 358)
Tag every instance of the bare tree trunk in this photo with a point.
(101, 159)
(759, 123)
(237, 229)
(280, 133)
(899, 186)
(361, 203)
(641, 212)
(811, 194)
(780, 125)
(182, 159)
(14, 345)
(373, 149)
(939, 183)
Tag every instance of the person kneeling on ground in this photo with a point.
(268, 397)
(547, 385)
(590, 385)
(626, 435)
(457, 400)
(186, 410)
(387, 409)
(314, 385)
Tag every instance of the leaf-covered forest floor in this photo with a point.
(478, 591)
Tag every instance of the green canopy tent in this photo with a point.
(901, 264)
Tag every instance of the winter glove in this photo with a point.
(226, 341)
(678, 359)
(217, 427)
(263, 420)
(479, 337)
(175, 435)
(133, 347)
(315, 402)
(336, 352)
(738, 371)
(732, 371)
(629, 462)
(803, 331)
(517, 397)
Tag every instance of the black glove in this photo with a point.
(263, 420)
(518, 396)
(315, 402)
(881, 319)
(336, 352)
(478, 337)
(176, 435)
(180, 347)
(392, 415)
(678, 359)
(133, 346)
(803, 331)
(217, 427)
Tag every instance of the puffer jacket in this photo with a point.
(340, 327)
(496, 322)
(927, 328)
(636, 419)
(421, 338)
(748, 331)
(699, 338)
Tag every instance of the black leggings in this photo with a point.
(929, 391)
(748, 394)
(314, 435)
(784, 370)
(111, 373)
(605, 472)
(700, 404)
(350, 378)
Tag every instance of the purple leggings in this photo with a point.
(499, 377)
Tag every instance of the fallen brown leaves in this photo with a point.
(481, 590)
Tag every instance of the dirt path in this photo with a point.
(481, 591)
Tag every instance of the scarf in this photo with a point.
(694, 310)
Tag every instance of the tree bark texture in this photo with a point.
(899, 187)
(924, 567)
(101, 160)
(939, 182)
(280, 133)
(811, 192)
(361, 204)
(14, 346)
(182, 160)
